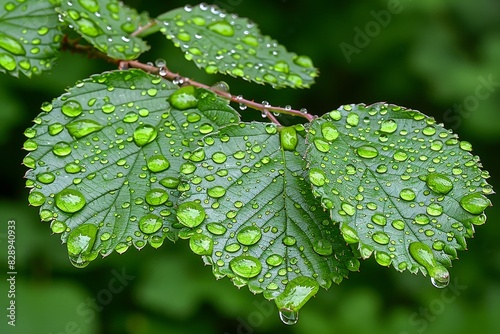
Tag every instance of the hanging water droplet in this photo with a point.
(70, 200)
(201, 244)
(475, 203)
(83, 127)
(221, 86)
(424, 256)
(144, 134)
(297, 292)
(190, 214)
(245, 266)
(439, 183)
(184, 98)
(79, 243)
(249, 235)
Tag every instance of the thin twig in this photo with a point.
(140, 30)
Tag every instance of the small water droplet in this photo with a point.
(381, 238)
(158, 163)
(216, 192)
(245, 266)
(274, 260)
(288, 138)
(156, 196)
(323, 247)
(303, 61)
(216, 228)
(407, 194)
(388, 126)
(70, 200)
(289, 240)
(190, 214)
(46, 178)
(36, 198)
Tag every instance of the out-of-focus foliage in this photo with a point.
(432, 55)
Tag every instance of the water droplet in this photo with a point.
(55, 128)
(323, 247)
(350, 235)
(150, 223)
(61, 149)
(222, 28)
(58, 227)
(289, 240)
(439, 183)
(156, 196)
(297, 292)
(424, 256)
(184, 98)
(474, 203)
(7, 61)
(398, 224)
(201, 244)
(289, 317)
(11, 45)
(216, 192)
(71, 108)
(379, 219)
(130, 117)
(281, 66)
(381, 238)
(158, 163)
(144, 134)
(88, 27)
(329, 132)
(367, 151)
(407, 194)
(221, 86)
(190, 214)
(81, 128)
(70, 200)
(36, 198)
(466, 146)
(274, 260)
(219, 157)
(434, 210)
(352, 119)
(90, 5)
(249, 235)
(245, 266)
(46, 178)
(388, 126)
(303, 61)
(383, 258)
(348, 208)
(216, 228)
(321, 145)
(288, 138)
(79, 243)
(317, 177)
(400, 156)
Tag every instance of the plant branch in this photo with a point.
(267, 109)
(142, 29)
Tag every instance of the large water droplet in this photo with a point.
(11, 45)
(367, 151)
(144, 134)
(70, 200)
(222, 28)
(474, 203)
(297, 292)
(249, 235)
(424, 256)
(407, 194)
(216, 228)
(71, 108)
(184, 98)
(79, 243)
(388, 126)
(36, 198)
(216, 192)
(190, 214)
(329, 131)
(8, 62)
(61, 149)
(245, 266)
(439, 183)
(83, 127)
(381, 238)
(201, 244)
(156, 197)
(303, 61)
(46, 178)
(150, 223)
(317, 177)
(90, 5)
(350, 235)
(288, 138)
(274, 260)
(88, 27)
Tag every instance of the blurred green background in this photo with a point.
(429, 55)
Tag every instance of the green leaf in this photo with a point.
(250, 213)
(225, 43)
(107, 25)
(105, 160)
(29, 37)
(400, 185)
